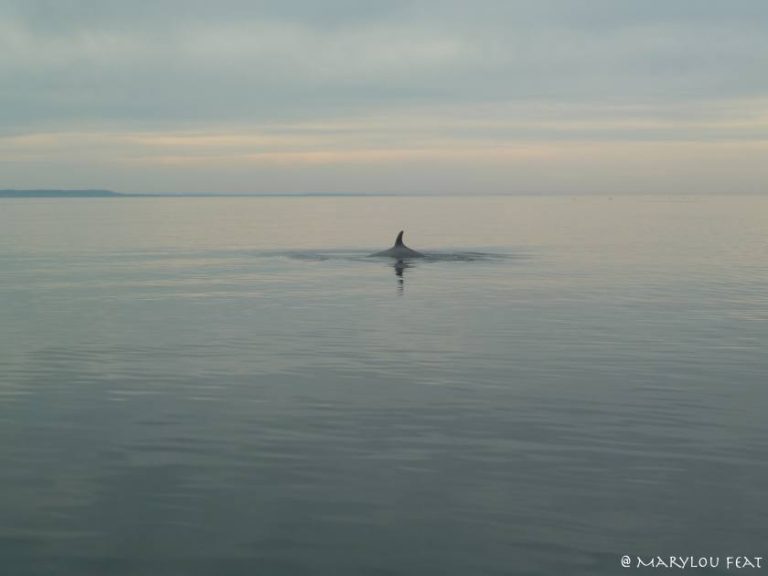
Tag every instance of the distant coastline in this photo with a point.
(54, 193)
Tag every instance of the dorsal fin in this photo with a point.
(399, 240)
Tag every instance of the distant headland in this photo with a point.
(54, 193)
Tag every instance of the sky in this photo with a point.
(423, 97)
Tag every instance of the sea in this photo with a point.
(563, 385)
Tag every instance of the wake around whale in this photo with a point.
(400, 250)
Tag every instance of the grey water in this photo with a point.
(196, 386)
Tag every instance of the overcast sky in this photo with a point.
(497, 96)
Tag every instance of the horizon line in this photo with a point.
(20, 193)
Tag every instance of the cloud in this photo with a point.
(180, 61)
(496, 149)
(350, 84)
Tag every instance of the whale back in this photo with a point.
(399, 250)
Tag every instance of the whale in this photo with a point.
(399, 250)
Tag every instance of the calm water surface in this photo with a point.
(196, 386)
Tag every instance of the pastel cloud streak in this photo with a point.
(427, 97)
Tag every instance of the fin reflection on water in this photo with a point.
(403, 258)
(402, 254)
(400, 267)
